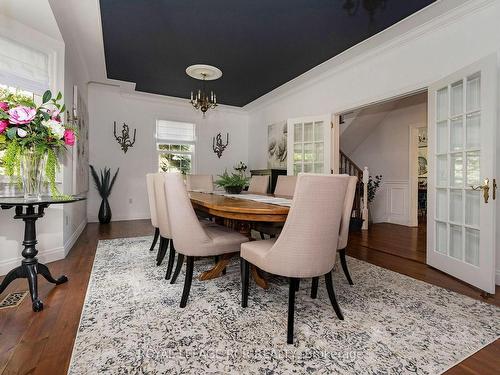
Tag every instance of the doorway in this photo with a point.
(390, 138)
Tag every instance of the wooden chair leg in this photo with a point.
(245, 277)
(262, 236)
(343, 262)
(331, 294)
(155, 239)
(171, 260)
(162, 251)
(187, 281)
(291, 309)
(178, 267)
(314, 287)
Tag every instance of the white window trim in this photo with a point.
(194, 157)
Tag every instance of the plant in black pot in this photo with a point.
(233, 183)
(104, 183)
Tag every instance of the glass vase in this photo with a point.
(32, 171)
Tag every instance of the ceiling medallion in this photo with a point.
(202, 100)
(371, 6)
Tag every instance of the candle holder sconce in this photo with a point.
(124, 139)
(218, 146)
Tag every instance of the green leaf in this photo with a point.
(59, 96)
(46, 116)
(47, 95)
(11, 133)
(3, 115)
(63, 108)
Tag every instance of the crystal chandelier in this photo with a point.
(201, 99)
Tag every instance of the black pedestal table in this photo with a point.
(30, 211)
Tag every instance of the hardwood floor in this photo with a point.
(41, 343)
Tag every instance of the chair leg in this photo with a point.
(291, 309)
(178, 267)
(187, 281)
(171, 259)
(245, 276)
(297, 285)
(314, 287)
(343, 262)
(155, 239)
(262, 236)
(331, 294)
(162, 251)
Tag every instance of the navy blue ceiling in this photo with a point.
(258, 44)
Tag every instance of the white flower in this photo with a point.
(21, 132)
(55, 128)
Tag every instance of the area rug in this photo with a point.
(132, 324)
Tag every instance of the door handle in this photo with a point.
(485, 187)
(494, 189)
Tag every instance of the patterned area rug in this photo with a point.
(132, 324)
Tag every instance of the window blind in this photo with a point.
(23, 67)
(172, 131)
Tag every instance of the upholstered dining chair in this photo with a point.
(343, 233)
(305, 248)
(164, 225)
(150, 185)
(192, 239)
(258, 184)
(285, 186)
(200, 182)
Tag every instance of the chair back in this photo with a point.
(187, 232)
(285, 185)
(258, 185)
(161, 206)
(200, 182)
(346, 215)
(150, 185)
(307, 244)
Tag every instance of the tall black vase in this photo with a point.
(104, 212)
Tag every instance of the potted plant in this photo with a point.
(104, 183)
(33, 138)
(234, 183)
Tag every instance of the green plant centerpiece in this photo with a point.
(235, 182)
(33, 137)
(104, 184)
(373, 185)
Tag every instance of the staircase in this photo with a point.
(347, 166)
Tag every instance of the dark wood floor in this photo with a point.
(41, 343)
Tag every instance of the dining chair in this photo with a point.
(200, 182)
(258, 184)
(304, 249)
(164, 225)
(150, 185)
(285, 186)
(343, 233)
(192, 239)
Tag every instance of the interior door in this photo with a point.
(309, 145)
(461, 207)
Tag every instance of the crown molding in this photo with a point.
(432, 18)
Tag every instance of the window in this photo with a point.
(175, 143)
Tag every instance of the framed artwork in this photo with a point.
(422, 137)
(81, 147)
(422, 162)
(277, 145)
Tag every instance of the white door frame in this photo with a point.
(413, 173)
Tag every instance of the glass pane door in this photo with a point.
(310, 141)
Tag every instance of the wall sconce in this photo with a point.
(124, 140)
(218, 146)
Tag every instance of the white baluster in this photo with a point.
(364, 214)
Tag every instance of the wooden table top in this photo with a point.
(238, 209)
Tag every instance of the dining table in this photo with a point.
(240, 214)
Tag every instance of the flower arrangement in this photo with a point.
(33, 137)
(235, 182)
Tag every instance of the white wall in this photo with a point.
(413, 58)
(107, 104)
(385, 151)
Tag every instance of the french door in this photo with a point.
(461, 181)
(309, 145)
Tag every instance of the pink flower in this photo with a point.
(21, 115)
(4, 106)
(69, 137)
(3, 125)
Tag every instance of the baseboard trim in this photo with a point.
(74, 237)
(94, 219)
